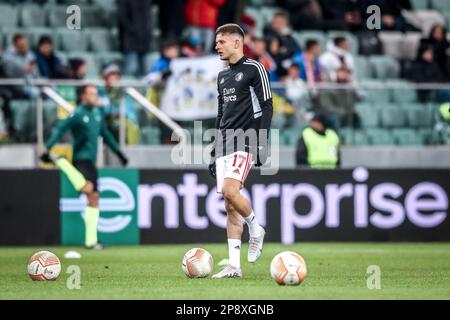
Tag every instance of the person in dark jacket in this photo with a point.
(48, 63)
(171, 18)
(134, 33)
(426, 70)
(441, 47)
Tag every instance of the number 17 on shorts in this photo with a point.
(235, 166)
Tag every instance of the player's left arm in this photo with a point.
(263, 92)
(112, 143)
(261, 87)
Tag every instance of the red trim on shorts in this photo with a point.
(247, 167)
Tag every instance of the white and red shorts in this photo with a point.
(235, 166)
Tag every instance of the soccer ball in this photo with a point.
(43, 266)
(197, 263)
(289, 268)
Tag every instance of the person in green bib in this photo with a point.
(318, 146)
(87, 125)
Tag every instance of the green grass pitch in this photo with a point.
(335, 271)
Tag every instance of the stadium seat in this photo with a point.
(33, 16)
(50, 117)
(420, 4)
(150, 135)
(410, 45)
(405, 92)
(407, 137)
(304, 36)
(418, 115)
(72, 40)
(362, 67)
(373, 91)
(353, 41)
(290, 136)
(267, 13)
(426, 135)
(101, 40)
(24, 120)
(57, 16)
(368, 114)
(392, 117)
(380, 137)
(350, 136)
(426, 19)
(384, 67)
(105, 58)
(391, 41)
(9, 16)
(440, 5)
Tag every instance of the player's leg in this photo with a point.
(234, 235)
(92, 212)
(91, 217)
(231, 192)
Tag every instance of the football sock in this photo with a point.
(75, 177)
(253, 226)
(234, 252)
(91, 221)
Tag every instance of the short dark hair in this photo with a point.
(310, 43)
(81, 90)
(17, 37)
(231, 28)
(339, 40)
(45, 39)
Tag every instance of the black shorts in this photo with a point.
(88, 170)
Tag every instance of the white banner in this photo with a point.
(191, 91)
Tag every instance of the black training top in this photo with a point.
(245, 102)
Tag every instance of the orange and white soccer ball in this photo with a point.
(288, 268)
(197, 263)
(44, 266)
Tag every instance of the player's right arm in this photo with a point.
(220, 106)
(63, 126)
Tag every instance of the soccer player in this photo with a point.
(86, 124)
(245, 105)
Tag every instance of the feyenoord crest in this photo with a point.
(239, 76)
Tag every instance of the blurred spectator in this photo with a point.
(280, 27)
(309, 15)
(202, 19)
(261, 55)
(111, 97)
(318, 146)
(157, 76)
(338, 66)
(441, 47)
(282, 60)
(6, 115)
(337, 62)
(169, 50)
(171, 18)
(78, 68)
(341, 14)
(49, 64)
(391, 14)
(296, 89)
(193, 46)
(20, 62)
(231, 11)
(425, 69)
(310, 70)
(248, 25)
(134, 34)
